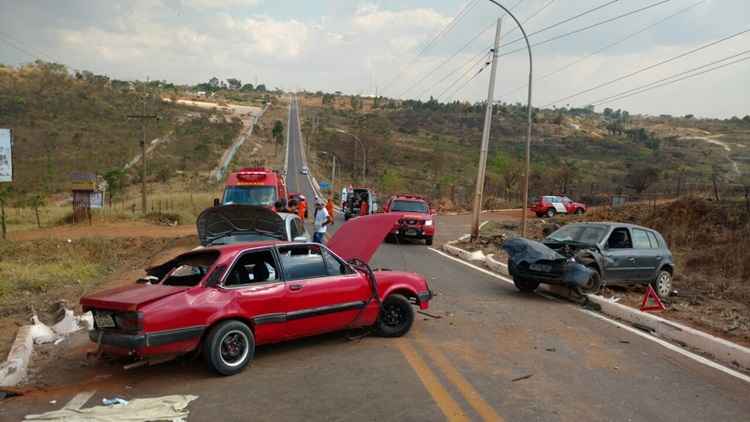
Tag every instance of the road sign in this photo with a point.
(325, 185)
(6, 157)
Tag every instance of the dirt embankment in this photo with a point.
(64, 263)
(711, 246)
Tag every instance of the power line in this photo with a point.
(644, 69)
(453, 72)
(13, 42)
(444, 62)
(471, 41)
(532, 16)
(460, 87)
(429, 44)
(435, 69)
(564, 21)
(586, 28)
(608, 46)
(464, 75)
(680, 77)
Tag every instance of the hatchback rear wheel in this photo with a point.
(229, 347)
(550, 213)
(663, 284)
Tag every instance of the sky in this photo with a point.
(403, 48)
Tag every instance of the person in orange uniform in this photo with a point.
(301, 206)
(329, 208)
(364, 208)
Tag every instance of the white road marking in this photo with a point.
(77, 402)
(666, 344)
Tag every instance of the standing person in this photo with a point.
(293, 206)
(301, 208)
(364, 208)
(329, 208)
(322, 220)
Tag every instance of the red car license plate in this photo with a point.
(104, 320)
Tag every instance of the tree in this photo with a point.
(36, 201)
(509, 169)
(356, 102)
(278, 132)
(234, 84)
(247, 88)
(5, 192)
(640, 177)
(327, 99)
(391, 181)
(261, 88)
(214, 82)
(567, 173)
(115, 179)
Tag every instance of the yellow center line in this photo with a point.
(445, 402)
(472, 396)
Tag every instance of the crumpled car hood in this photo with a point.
(528, 251)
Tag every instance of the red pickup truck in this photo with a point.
(225, 300)
(418, 220)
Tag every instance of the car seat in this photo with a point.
(260, 272)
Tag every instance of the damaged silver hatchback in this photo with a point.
(587, 256)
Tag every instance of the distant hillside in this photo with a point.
(433, 148)
(67, 121)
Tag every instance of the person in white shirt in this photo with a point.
(322, 220)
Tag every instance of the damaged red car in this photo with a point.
(223, 301)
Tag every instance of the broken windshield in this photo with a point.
(580, 233)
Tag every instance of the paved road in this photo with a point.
(567, 365)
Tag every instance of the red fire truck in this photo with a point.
(254, 186)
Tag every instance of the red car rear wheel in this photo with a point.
(229, 347)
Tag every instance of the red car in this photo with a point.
(223, 301)
(417, 221)
(549, 206)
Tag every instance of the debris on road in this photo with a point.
(429, 314)
(116, 401)
(525, 377)
(170, 408)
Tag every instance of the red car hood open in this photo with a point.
(360, 237)
(129, 298)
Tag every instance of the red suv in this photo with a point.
(418, 218)
(549, 206)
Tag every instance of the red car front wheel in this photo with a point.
(396, 317)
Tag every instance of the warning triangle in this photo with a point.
(657, 304)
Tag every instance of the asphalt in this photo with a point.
(484, 352)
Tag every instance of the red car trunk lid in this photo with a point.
(129, 298)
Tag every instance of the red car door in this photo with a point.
(254, 289)
(322, 293)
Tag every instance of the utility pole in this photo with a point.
(333, 175)
(485, 138)
(143, 117)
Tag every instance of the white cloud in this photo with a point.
(219, 4)
(371, 19)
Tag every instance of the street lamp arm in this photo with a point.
(524, 215)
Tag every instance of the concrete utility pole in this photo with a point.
(485, 138)
(364, 151)
(333, 176)
(529, 111)
(143, 118)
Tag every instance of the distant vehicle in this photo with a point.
(356, 198)
(418, 220)
(299, 198)
(549, 206)
(253, 186)
(304, 170)
(229, 224)
(589, 255)
(223, 301)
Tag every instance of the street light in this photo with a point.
(364, 151)
(333, 170)
(524, 216)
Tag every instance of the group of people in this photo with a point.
(322, 216)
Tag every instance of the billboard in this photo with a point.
(6, 161)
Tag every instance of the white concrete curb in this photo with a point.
(13, 370)
(722, 350)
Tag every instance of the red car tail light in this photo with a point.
(129, 322)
